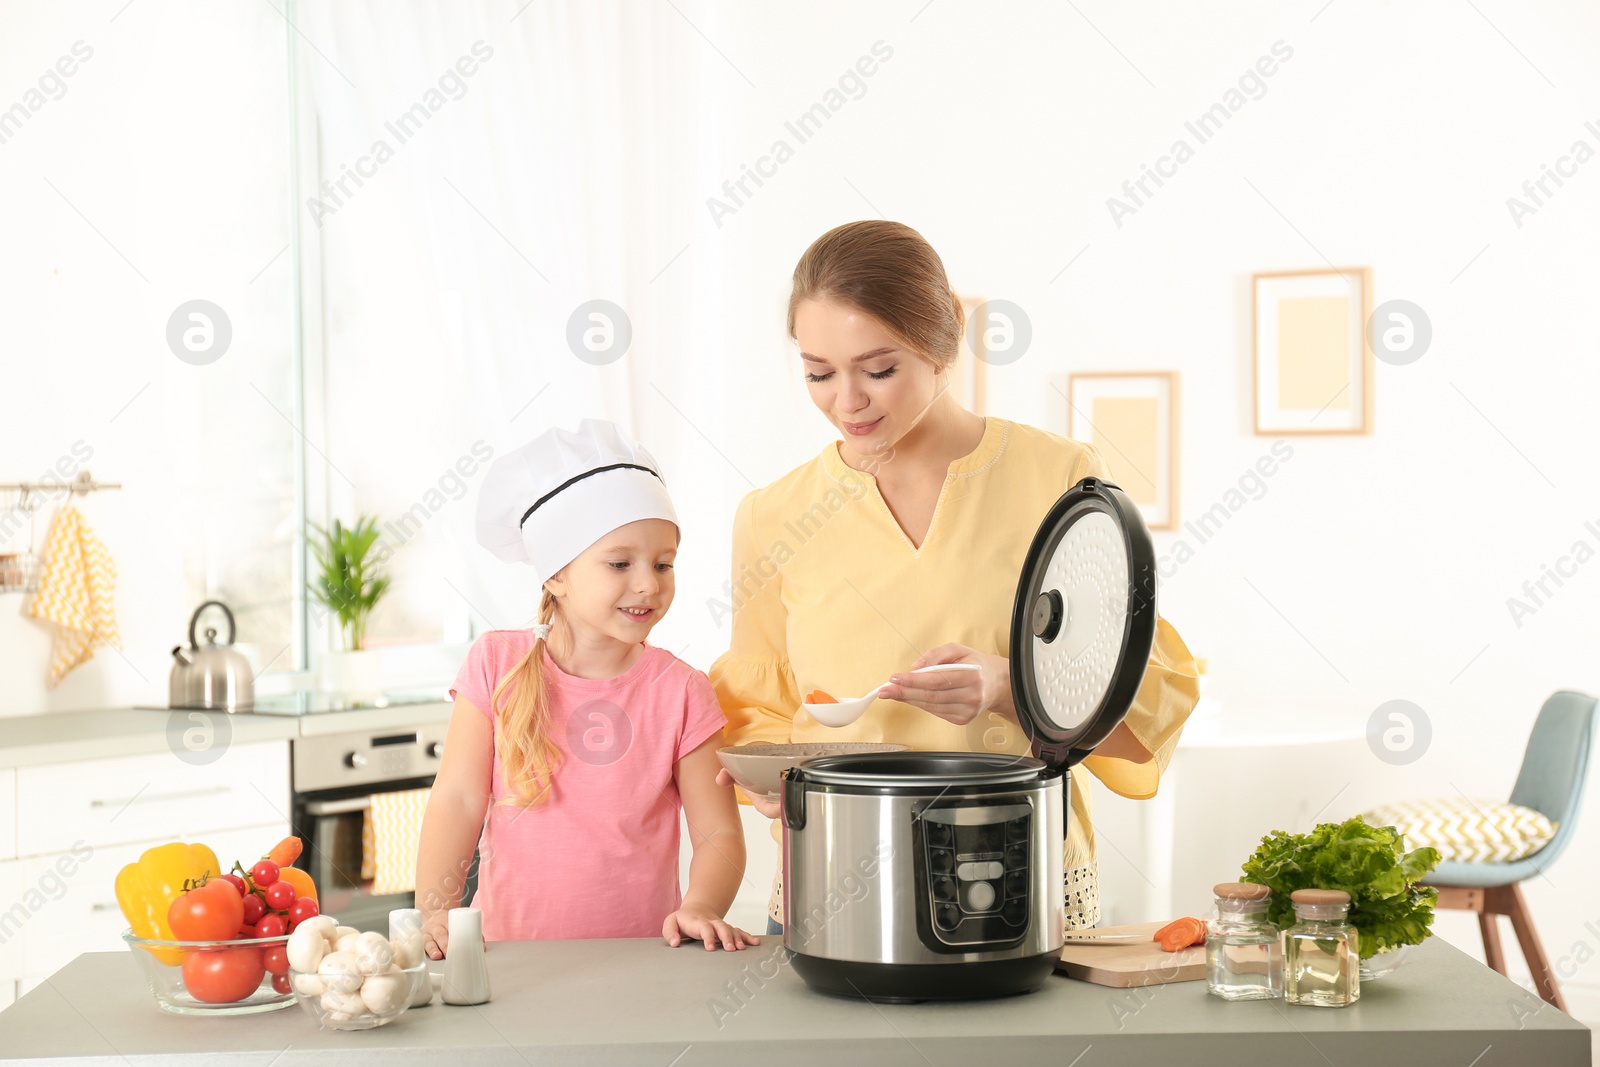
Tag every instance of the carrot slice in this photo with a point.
(1181, 934)
(817, 696)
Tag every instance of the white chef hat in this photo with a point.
(548, 501)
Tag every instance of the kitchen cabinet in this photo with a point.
(145, 797)
(67, 828)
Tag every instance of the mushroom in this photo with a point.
(339, 972)
(386, 993)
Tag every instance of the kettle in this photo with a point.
(213, 678)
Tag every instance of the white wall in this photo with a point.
(1372, 568)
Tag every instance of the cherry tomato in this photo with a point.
(212, 912)
(276, 959)
(223, 975)
(280, 982)
(302, 909)
(254, 908)
(280, 895)
(264, 874)
(272, 925)
(237, 883)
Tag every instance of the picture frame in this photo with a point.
(1313, 367)
(1131, 417)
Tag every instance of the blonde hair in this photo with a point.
(522, 712)
(889, 271)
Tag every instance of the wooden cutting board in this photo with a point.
(1131, 963)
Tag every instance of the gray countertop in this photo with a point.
(66, 736)
(640, 1002)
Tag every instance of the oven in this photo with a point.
(334, 778)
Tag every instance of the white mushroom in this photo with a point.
(373, 953)
(342, 1007)
(323, 924)
(386, 993)
(309, 984)
(339, 972)
(306, 947)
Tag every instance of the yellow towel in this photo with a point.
(76, 592)
(396, 828)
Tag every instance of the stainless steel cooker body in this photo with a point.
(923, 875)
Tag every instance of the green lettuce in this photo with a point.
(1387, 906)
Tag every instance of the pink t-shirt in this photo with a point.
(600, 857)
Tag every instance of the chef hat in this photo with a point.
(548, 501)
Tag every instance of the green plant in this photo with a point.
(348, 583)
(1387, 906)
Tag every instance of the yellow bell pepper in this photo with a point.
(147, 887)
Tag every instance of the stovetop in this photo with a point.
(296, 704)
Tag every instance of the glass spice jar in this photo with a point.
(1244, 950)
(1322, 951)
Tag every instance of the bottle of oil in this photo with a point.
(1244, 951)
(1322, 952)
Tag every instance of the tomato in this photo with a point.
(280, 982)
(223, 975)
(303, 885)
(237, 883)
(253, 909)
(280, 895)
(264, 874)
(276, 959)
(301, 910)
(211, 912)
(272, 925)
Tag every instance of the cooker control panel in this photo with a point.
(973, 869)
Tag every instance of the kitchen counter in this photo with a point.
(640, 1002)
(68, 736)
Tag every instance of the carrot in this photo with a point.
(1181, 934)
(285, 852)
(817, 696)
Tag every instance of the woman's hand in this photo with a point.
(699, 922)
(771, 807)
(956, 696)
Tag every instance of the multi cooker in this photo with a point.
(939, 875)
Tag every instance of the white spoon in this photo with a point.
(846, 712)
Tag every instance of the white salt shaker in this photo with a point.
(466, 971)
(405, 934)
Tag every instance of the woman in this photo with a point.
(901, 546)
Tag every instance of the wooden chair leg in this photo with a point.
(1544, 977)
(1489, 925)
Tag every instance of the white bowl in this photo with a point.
(759, 768)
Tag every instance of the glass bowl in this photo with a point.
(1384, 963)
(172, 967)
(353, 1010)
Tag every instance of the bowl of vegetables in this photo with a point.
(210, 943)
(1390, 908)
(347, 979)
(231, 976)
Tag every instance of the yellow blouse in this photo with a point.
(829, 593)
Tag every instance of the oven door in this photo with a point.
(335, 779)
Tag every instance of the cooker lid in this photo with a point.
(1084, 621)
(946, 770)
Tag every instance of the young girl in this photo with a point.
(578, 739)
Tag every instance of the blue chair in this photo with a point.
(1551, 782)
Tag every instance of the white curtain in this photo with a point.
(569, 165)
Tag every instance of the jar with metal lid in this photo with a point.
(1244, 949)
(1322, 951)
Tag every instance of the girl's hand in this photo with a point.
(703, 924)
(771, 807)
(955, 696)
(436, 934)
